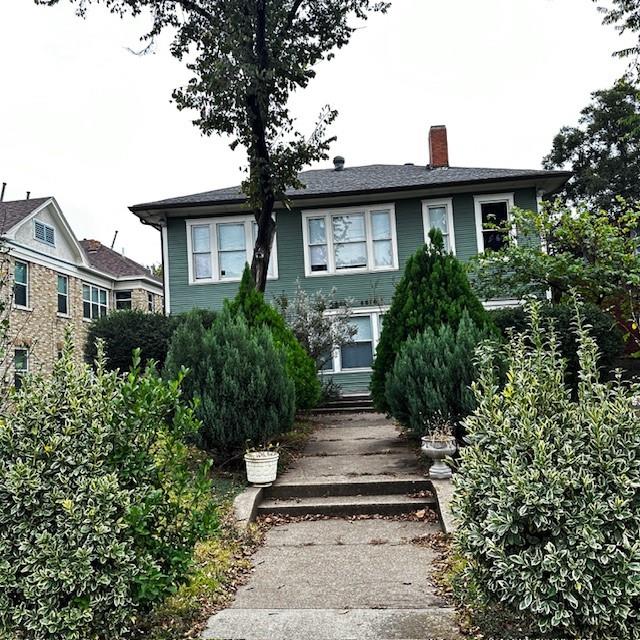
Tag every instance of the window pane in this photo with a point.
(21, 273)
(62, 284)
(382, 254)
(318, 258)
(381, 225)
(123, 295)
(326, 360)
(202, 265)
(103, 311)
(494, 240)
(494, 214)
(94, 294)
(201, 239)
(438, 219)
(231, 237)
(86, 292)
(103, 296)
(94, 310)
(20, 362)
(363, 328)
(62, 303)
(352, 255)
(232, 263)
(348, 228)
(20, 295)
(317, 231)
(356, 356)
(86, 310)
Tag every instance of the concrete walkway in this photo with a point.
(344, 578)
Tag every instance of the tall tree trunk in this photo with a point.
(257, 110)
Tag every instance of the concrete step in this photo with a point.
(334, 624)
(346, 505)
(364, 408)
(321, 489)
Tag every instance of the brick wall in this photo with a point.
(41, 329)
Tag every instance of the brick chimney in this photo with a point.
(438, 148)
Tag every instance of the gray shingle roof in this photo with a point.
(109, 261)
(356, 180)
(13, 211)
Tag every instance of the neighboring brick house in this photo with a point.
(53, 281)
(351, 228)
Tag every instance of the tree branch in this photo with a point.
(189, 5)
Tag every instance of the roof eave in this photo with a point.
(154, 213)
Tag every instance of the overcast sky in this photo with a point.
(85, 120)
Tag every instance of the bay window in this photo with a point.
(342, 241)
(95, 302)
(438, 214)
(493, 225)
(219, 248)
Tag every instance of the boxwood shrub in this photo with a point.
(99, 507)
(547, 498)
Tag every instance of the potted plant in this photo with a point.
(262, 464)
(438, 445)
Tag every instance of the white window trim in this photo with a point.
(129, 299)
(447, 203)
(92, 286)
(374, 313)
(327, 214)
(21, 372)
(22, 307)
(248, 221)
(46, 226)
(478, 201)
(67, 295)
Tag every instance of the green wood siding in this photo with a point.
(366, 289)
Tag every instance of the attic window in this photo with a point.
(44, 233)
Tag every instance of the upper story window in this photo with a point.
(219, 248)
(95, 302)
(350, 240)
(63, 295)
(44, 232)
(123, 300)
(438, 214)
(493, 224)
(21, 284)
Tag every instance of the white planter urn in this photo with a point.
(437, 450)
(262, 467)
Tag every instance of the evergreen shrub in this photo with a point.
(431, 378)
(602, 328)
(300, 366)
(238, 377)
(99, 506)
(546, 497)
(124, 331)
(433, 290)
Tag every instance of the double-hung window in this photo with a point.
(150, 304)
(493, 224)
(20, 366)
(352, 240)
(438, 214)
(359, 353)
(63, 295)
(123, 300)
(21, 284)
(95, 302)
(220, 248)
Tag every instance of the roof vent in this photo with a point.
(338, 163)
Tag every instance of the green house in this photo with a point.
(351, 228)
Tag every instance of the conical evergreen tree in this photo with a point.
(434, 290)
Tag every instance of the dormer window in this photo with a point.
(44, 233)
